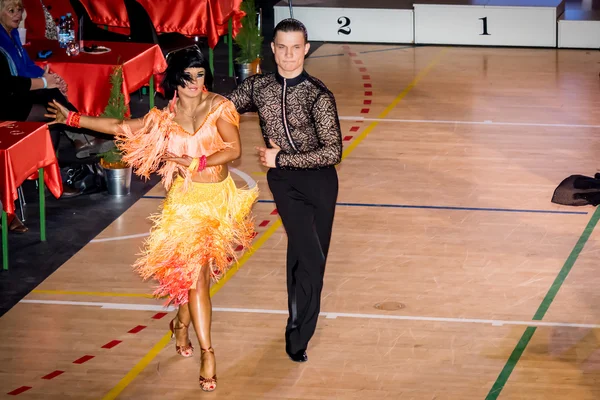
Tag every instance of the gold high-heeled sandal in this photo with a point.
(184, 351)
(208, 385)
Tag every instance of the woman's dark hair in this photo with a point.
(178, 62)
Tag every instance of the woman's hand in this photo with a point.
(55, 81)
(51, 81)
(60, 84)
(57, 112)
(183, 160)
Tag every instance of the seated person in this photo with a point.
(28, 100)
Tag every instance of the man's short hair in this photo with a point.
(291, 25)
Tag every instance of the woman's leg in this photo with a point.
(200, 308)
(181, 325)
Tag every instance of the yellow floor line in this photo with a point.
(139, 367)
(392, 105)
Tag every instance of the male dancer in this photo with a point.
(301, 130)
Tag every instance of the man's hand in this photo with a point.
(267, 156)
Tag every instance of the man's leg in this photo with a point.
(325, 198)
(320, 190)
(305, 261)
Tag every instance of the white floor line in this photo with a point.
(328, 315)
(110, 239)
(441, 121)
(435, 121)
(247, 178)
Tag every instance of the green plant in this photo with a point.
(248, 40)
(116, 108)
(112, 156)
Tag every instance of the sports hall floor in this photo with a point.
(451, 274)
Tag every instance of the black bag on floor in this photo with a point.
(578, 190)
(87, 178)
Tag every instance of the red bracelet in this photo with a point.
(73, 119)
(202, 164)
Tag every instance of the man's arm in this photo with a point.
(327, 125)
(242, 97)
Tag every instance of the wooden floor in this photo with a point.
(444, 254)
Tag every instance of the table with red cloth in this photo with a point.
(88, 75)
(206, 18)
(25, 151)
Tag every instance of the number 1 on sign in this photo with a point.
(484, 20)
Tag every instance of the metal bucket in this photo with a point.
(118, 181)
(246, 70)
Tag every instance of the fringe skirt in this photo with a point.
(198, 228)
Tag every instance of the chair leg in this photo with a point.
(4, 241)
(230, 47)
(22, 203)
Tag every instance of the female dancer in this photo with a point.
(204, 216)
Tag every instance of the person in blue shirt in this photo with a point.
(44, 86)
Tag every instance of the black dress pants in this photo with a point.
(305, 200)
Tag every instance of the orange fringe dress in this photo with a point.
(201, 224)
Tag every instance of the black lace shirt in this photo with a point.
(298, 114)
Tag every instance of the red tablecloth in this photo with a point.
(24, 148)
(88, 75)
(207, 18)
(221, 11)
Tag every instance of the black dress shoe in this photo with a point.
(298, 357)
(68, 191)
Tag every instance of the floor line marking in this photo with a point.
(366, 205)
(110, 239)
(416, 206)
(326, 56)
(363, 135)
(84, 293)
(434, 121)
(437, 121)
(519, 349)
(326, 314)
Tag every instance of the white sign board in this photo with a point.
(485, 25)
(369, 25)
(579, 34)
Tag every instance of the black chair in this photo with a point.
(91, 31)
(142, 30)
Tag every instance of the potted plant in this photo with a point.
(118, 173)
(249, 42)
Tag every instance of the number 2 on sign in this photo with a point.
(484, 20)
(345, 28)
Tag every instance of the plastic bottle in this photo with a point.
(63, 33)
